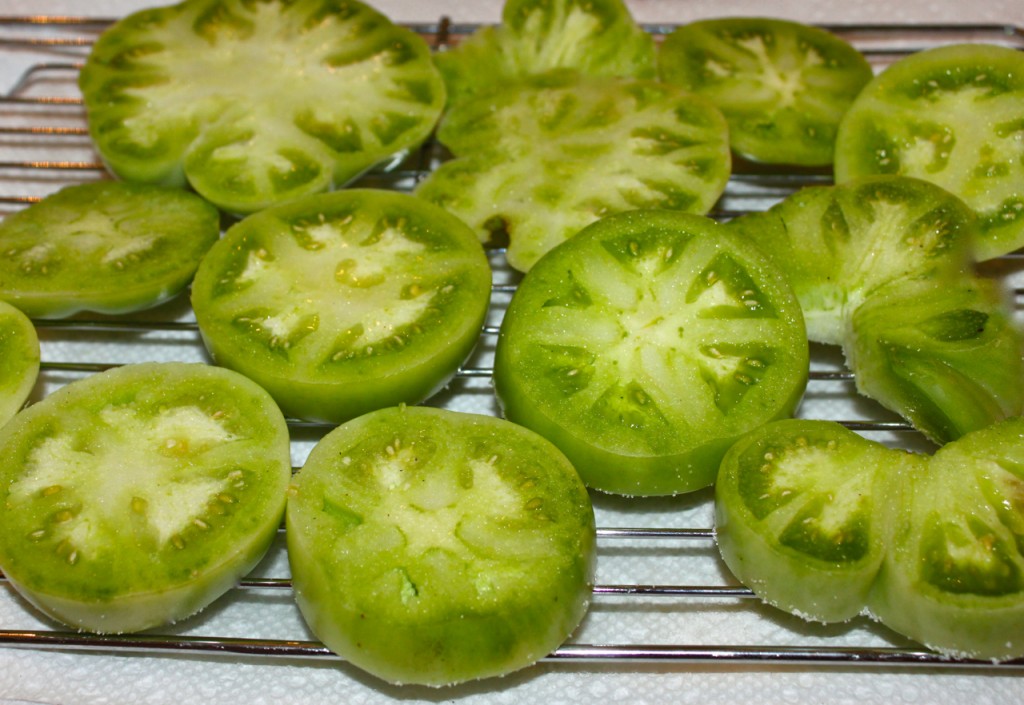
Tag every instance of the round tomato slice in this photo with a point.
(345, 302)
(256, 103)
(434, 547)
(19, 360)
(801, 515)
(953, 116)
(783, 86)
(953, 577)
(644, 346)
(137, 496)
(106, 246)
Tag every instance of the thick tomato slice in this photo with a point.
(345, 302)
(644, 346)
(137, 496)
(106, 246)
(434, 547)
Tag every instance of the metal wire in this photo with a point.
(45, 124)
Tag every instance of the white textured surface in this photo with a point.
(82, 679)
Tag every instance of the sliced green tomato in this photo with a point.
(433, 547)
(801, 515)
(137, 496)
(537, 163)
(954, 116)
(253, 103)
(105, 246)
(345, 302)
(19, 360)
(953, 577)
(646, 345)
(947, 355)
(783, 86)
(594, 37)
(840, 244)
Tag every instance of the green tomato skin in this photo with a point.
(802, 511)
(312, 299)
(254, 104)
(594, 38)
(783, 86)
(610, 349)
(19, 360)
(946, 355)
(433, 547)
(953, 577)
(106, 246)
(136, 497)
(952, 116)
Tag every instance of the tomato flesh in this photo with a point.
(953, 116)
(137, 496)
(256, 103)
(106, 246)
(827, 525)
(434, 547)
(345, 302)
(782, 85)
(537, 162)
(645, 345)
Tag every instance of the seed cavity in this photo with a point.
(51, 490)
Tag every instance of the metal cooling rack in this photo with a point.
(44, 145)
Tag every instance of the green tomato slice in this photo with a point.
(840, 244)
(954, 116)
(344, 302)
(947, 355)
(593, 37)
(105, 246)
(137, 496)
(783, 86)
(953, 577)
(433, 547)
(646, 345)
(19, 360)
(537, 163)
(801, 515)
(256, 103)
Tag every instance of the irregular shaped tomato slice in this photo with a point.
(840, 244)
(136, 497)
(256, 103)
(826, 524)
(105, 246)
(953, 577)
(954, 116)
(644, 346)
(783, 85)
(538, 162)
(947, 355)
(19, 360)
(345, 302)
(593, 37)
(801, 515)
(429, 546)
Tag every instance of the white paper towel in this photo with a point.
(51, 676)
